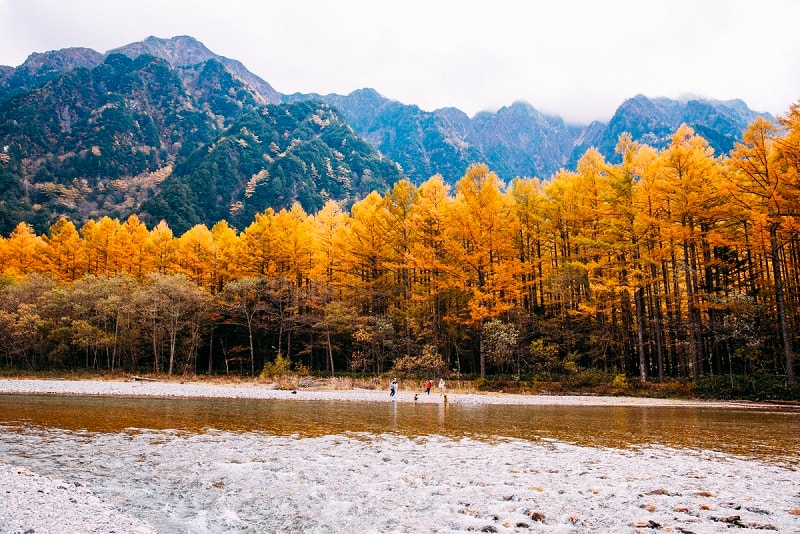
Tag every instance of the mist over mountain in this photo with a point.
(168, 129)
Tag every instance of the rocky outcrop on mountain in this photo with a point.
(520, 141)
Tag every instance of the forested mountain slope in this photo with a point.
(85, 135)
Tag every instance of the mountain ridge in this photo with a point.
(75, 120)
(519, 140)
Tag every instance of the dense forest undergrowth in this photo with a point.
(674, 272)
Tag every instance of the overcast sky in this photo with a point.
(577, 59)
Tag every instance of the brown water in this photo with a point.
(768, 434)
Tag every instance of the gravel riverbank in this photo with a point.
(146, 388)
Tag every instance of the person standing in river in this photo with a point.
(393, 387)
(428, 386)
(441, 386)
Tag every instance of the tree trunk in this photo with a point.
(690, 312)
(482, 354)
(172, 341)
(330, 350)
(211, 350)
(780, 305)
(639, 303)
(155, 346)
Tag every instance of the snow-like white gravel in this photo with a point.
(165, 481)
(32, 503)
(223, 482)
(138, 388)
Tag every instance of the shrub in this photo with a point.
(301, 370)
(620, 382)
(279, 367)
(481, 383)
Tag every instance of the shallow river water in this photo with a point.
(265, 466)
(770, 434)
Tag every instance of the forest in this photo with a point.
(671, 264)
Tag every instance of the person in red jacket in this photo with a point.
(428, 385)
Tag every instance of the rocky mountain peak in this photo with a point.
(180, 51)
(61, 60)
(39, 68)
(184, 51)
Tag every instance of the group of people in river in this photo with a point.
(394, 385)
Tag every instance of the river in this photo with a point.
(214, 465)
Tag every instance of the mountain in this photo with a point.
(168, 129)
(106, 139)
(654, 120)
(518, 140)
(422, 143)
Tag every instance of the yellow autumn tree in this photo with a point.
(480, 225)
(104, 248)
(159, 249)
(528, 200)
(366, 255)
(690, 187)
(328, 226)
(401, 238)
(21, 254)
(767, 189)
(295, 241)
(429, 259)
(132, 239)
(259, 248)
(195, 255)
(226, 255)
(61, 251)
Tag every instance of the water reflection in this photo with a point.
(767, 434)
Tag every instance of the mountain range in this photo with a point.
(168, 129)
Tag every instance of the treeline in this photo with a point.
(672, 263)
